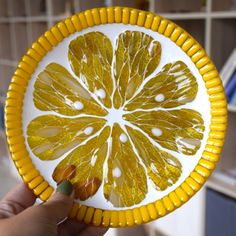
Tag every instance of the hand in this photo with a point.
(19, 218)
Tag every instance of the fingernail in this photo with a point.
(65, 188)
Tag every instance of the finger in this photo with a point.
(93, 231)
(16, 201)
(72, 227)
(58, 206)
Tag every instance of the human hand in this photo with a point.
(18, 216)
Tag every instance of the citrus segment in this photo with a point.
(84, 166)
(56, 90)
(175, 85)
(137, 55)
(50, 136)
(162, 168)
(125, 183)
(106, 90)
(90, 56)
(177, 130)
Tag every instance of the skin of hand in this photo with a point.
(20, 217)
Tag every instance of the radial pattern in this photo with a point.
(119, 157)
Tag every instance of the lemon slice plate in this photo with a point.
(123, 103)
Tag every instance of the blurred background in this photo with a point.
(212, 211)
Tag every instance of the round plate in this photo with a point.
(125, 104)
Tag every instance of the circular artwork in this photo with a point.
(123, 103)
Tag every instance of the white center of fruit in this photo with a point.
(115, 116)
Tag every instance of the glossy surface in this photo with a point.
(211, 152)
(105, 81)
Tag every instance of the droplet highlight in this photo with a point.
(160, 97)
(88, 130)
(100, 93)
(123, 138)
(116, 172)
(78, 105)
(156, 132)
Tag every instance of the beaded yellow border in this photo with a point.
(78, 22)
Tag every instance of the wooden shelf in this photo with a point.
(223, 14)
(196, 27)
(184, 16)
(5, 36)
(35, 29)
(6, 72)
(173, 16)
(7, 62)
(221, 187)
(200, 15)
(58, 17)
(21, 40)
(22, 19)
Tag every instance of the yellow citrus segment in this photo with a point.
(56, 90)
(118, 120)
(175, 85)
(84, 166)
(137, 55)
(125, 183)
(90, 56)
(177, 130)
(162, 168)
(50, 136)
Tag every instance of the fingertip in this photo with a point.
(91, 230)
(65, 188)
(59, 204)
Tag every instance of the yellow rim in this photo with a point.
(78, 22)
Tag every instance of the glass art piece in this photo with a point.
(123, 103)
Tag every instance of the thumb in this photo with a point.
(58, 206)
(43, 219)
